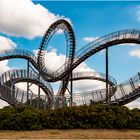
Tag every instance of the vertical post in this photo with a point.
(28, 65)
(31, 100)
(38, 101)
(132, 84)
(107, 74)
(13, 92)
(139, 75)
(71, 90)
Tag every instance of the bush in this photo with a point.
(92, 116)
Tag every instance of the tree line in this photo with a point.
(91, 116)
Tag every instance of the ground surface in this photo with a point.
(72, 134)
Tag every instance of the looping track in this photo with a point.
(73, 59)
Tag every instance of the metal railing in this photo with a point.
(80, 56)
(25, 74)
(93, 75)
(124, 92)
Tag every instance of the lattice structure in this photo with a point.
(37, 73)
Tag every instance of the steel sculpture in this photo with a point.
(37, 73)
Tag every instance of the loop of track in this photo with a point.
(72, 59)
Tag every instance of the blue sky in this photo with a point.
(98, 19)
(91, 19)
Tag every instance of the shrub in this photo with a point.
(92, 116)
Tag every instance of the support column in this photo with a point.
(38, 100)
(13, 92)
(28, 65)
(107, 75)
(71, 89)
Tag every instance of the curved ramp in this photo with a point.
(120, 94)
(126, 92)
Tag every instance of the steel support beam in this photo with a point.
(71, 89)
(29, 67)
(38, 100)
(107, 94)
(28, 84)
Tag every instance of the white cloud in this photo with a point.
(128, 44)
(135, 53)
(5, 43)
(83, 68)
(4, 66)
(55, 60)
(3, 103)
(33, 88)
(134, 104)
(25, 18)
(88, 85)
(89, 39)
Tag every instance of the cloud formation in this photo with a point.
(3, 103)
(5, 43)
(134, 104)
(54, 60)
(135, 53)
(89, 39)
(25, 18)
(128, 44)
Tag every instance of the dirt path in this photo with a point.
(72, 134)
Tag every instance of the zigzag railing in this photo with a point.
(19, 75)
(126, 92)
(15, 96)
(18, 97)
(12, 77)
(93, 75)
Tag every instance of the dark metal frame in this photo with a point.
(65, 72)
